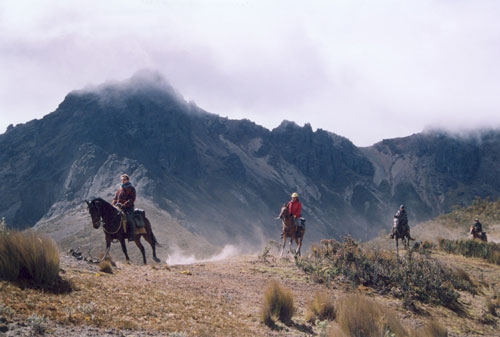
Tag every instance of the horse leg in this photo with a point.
(290, 244)
(141, 247)
(151, 240)
(283, 245)
(299, 245)
(124, 248)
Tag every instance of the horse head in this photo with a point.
(285, 215)
(94, 213)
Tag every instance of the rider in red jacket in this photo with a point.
(295, 208)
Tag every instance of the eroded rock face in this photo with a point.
(224, 180)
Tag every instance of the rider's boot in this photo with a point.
(130, 232)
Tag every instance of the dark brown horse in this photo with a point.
(290, 231)
(102, 211)
(478, 235)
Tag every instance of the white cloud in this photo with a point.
(360, 69)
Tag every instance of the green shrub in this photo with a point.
(278, 304)
(488, 251)
(413, 277)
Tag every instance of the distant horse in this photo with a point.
(478, 235)
(400, 233)
(290, 231)
(100, 209)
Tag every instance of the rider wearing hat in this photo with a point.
(295, 208)
(478, 227)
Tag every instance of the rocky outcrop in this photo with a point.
(224, 180)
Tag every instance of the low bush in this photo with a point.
(488, 251)
(413, 277)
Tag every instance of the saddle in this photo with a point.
(139, 215)
(136, 220)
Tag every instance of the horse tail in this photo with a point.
(153, 237)
(149, 231)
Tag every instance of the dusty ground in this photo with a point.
(206, 299)
(221, 298)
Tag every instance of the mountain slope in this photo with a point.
(207, 181)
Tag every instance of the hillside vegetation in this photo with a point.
(337, 288)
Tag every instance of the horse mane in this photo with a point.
(104, 203)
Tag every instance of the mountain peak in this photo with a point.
(145, 82)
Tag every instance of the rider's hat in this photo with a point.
(295, 195)
(402, 207)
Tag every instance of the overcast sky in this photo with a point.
(366, 70)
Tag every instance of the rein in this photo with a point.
(107, 221)
(109, 231)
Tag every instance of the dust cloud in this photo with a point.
(177, 258)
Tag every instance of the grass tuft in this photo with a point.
(358, 315)
(29, 257)
(432, 328)
(321, 308)
(278, 304)
(106, 267)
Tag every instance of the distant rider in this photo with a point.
(478, 227)
(402, 221)
(124, 199)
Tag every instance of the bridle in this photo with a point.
(97, 219)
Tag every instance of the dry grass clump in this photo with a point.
(278, 304)
(321, 308)
(106, 267)
(359, 316)
(492, 304)
(336, 331)
(28, 257)
(432, 328)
